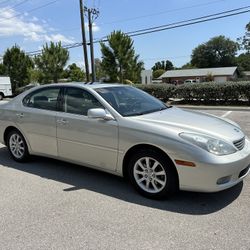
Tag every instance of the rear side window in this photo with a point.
(43, 99)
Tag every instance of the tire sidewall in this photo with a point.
(172, 183)
(26, 152)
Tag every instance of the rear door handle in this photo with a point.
(20, 115)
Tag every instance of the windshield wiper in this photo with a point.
(149, 111)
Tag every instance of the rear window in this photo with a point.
(43, 99)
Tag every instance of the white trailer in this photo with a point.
(5, 87)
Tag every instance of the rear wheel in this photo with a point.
(152, 174)
(17, 146)
(1, 96)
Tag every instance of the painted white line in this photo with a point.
(227, 113)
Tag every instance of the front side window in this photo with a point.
(129, 101)
(42, 99)
(78, 101)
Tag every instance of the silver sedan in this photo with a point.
(122, 130)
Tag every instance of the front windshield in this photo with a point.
(129, 101)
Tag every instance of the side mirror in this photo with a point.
(99, 113)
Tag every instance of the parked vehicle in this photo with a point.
(125, 131)
(5, 87)
(190, 81)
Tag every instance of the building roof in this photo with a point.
(199, 72)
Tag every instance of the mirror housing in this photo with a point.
(99, 113)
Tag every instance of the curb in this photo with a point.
(229, 108)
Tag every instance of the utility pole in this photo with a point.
(92, 15)
(84, 43)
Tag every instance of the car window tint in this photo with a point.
(42, 99)
(79, 101)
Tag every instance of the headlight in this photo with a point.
(212, 145)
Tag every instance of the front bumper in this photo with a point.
(220, 173)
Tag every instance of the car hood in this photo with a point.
(194, 122)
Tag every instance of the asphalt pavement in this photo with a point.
(49, 204)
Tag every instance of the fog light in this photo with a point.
(223, 180)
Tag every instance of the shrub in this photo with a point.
(160, 91)
(208, 92)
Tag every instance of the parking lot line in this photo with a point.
(226, 114)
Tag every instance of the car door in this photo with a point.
(84, 140)
(38, 120)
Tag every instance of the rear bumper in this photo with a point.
(216, 176)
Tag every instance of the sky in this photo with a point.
(32, 23)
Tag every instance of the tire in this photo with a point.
(17, 146)
(1, 96)
(152, 174)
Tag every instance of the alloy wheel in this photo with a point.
(17, 146)
(150, 175)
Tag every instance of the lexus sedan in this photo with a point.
(125, 131)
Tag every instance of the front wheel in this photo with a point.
(17, 146)
(1, 96)
(152, 174)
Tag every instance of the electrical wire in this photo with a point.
(163, 27)
(14, 6)
(184, 23)
(144, 16)
(161, 12)
(190, 20)
(29, 11)
(188, 24)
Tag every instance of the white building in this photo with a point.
(146, 76)
(222, 74)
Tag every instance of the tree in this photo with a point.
(35, 75)
(243, 62)
(119, 61)
(217, 52)
(2, 69)
(74, 73)
(157, 73)
(99, 69)
(188, 66)
(17, 64)
(52, 61)
(166, 65)
(245, 40)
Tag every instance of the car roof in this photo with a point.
(90, 85)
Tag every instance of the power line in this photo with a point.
(66, 46)
(190, 20)
(164, 58)
(14, 6)
(162, 12)
(158, 28)
(188, 24)
(18, 4)
(183, 23)
(29, 11)
(149, 15)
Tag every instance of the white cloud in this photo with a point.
(34, 19)
(29, 29)
(95, 28)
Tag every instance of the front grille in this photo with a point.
(240, 143)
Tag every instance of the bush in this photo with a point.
(160, 91)
(206, 93)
